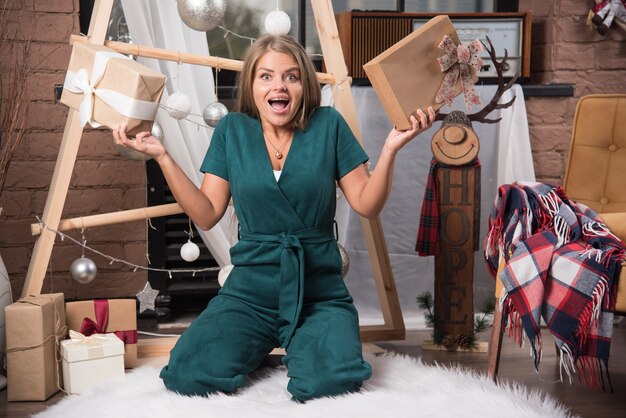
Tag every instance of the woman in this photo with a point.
(279, 159)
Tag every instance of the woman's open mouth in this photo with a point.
(279, 104)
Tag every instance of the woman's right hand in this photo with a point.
(144, 142)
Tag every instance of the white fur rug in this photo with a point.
(400, 387)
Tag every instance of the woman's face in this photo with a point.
(277, 88)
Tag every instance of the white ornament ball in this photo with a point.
(277, 22)
(178, 105)
(83, 270)
(202, 15)
(213, 113)
(190, 251)
(345, 260)
(131, 154)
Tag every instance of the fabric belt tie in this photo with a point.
(291, 293)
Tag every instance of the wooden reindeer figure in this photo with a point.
(450, 219)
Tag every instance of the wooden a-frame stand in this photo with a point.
(393, 327)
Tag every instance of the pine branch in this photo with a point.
(425, 301)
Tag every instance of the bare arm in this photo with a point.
(366, 194)
(205, 205)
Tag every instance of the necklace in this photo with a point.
(278, 154)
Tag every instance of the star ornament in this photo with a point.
(146, 297)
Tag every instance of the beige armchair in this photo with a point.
(596, 176)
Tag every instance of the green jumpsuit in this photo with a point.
(285, 288)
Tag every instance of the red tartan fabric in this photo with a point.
(561, 264)
(427, 234)
(428, 231)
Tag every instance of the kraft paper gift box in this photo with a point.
(34, 326)
(118, 316)
(407, 76)
(108, 88)
(88, 361)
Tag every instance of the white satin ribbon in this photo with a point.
(80, 82)
(93, 343)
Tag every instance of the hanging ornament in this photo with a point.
(190, 251)
(157, 132)
(213, 113)
(345, 260)
(83, 270)
(202, 15)
(178, 105)
(131, 154)
(277, 22)
(147, 297)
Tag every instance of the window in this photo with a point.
(247, 18)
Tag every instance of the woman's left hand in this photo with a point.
(397, 139)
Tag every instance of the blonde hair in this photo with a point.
(311, 93)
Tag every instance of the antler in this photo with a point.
(480, 116)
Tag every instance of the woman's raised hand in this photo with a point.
(144, 142)
(397, 139)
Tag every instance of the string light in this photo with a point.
(230, 32)
(112, 259)
(166, 108)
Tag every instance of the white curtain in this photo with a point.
(505, 156)
(157, 24)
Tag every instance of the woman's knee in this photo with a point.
(197, 383)
(319, 385)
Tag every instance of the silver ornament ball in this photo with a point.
(277, 22)
(345, 260)
(213, 113)
(178, 105)
(202, 15)
(131, 154)
(157, 132)
(83, 270)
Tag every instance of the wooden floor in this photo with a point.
(515, 365)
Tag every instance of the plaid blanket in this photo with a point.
(561, 263)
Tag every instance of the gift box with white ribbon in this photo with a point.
(108, 88)
(88, 361)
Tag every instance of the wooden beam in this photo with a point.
(167, 55)
(63, 170)
(372, 229)
(113, 217)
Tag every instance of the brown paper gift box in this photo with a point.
(122, 316)
(124, 76)
(34, 325)
(407, 76)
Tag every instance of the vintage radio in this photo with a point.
(364, 35)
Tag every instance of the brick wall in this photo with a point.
(102, 181)
(566, 50)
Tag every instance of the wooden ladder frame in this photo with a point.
(393, 327)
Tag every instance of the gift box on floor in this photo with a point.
(407, 76)
(104, 316)
(88, 361)
(108, 88)
(34, 326)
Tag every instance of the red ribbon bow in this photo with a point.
(457, 64)
(90, 327)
